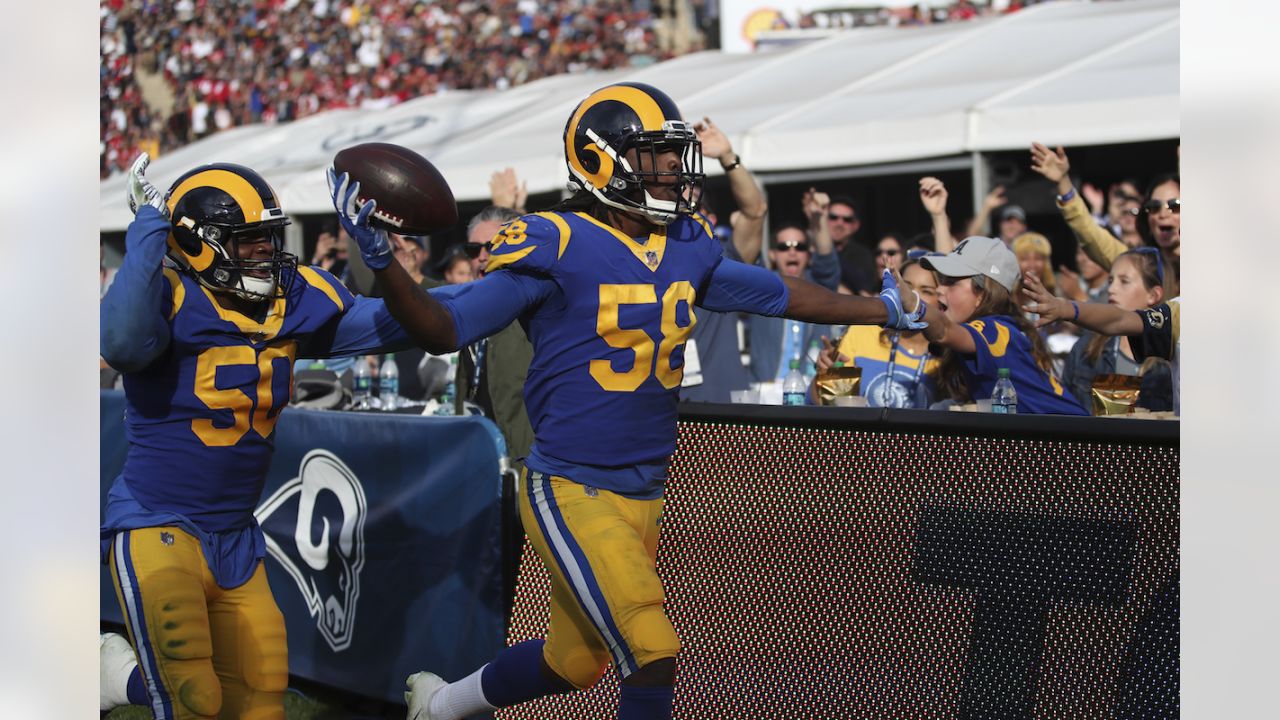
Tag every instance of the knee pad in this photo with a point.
(179, 626)
(581, 668)
(653, 637)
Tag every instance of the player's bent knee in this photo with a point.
(583, 669)
(659, 673)
(200, 691)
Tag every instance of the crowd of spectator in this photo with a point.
(173, 72)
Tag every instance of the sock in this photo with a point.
(137, 690)
(515, 676)
(645, 703)
(460, 699)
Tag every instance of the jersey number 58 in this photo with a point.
(637, 340)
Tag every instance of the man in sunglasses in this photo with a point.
(776, 341)
(837, 218)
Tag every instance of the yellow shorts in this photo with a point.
(204, 651)
(606, 598)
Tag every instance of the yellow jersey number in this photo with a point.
(650, 357)
(244, 410)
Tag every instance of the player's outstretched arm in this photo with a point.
(737, 287)
(132, 329)
(424, 319)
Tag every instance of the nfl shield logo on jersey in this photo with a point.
(317, 536)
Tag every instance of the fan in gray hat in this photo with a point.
(980, 323)
(977, 255)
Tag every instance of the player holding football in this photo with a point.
(605, 288)
(207, 350)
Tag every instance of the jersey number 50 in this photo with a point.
(637, 340)
(261, 414)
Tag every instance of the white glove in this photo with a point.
(141, 191)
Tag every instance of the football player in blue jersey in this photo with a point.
(606, 287)
(207, 346)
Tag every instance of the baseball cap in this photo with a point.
(977, 255)
(1013, 211)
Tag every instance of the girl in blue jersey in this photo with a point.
(980, 324)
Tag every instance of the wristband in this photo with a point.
(737, 163)
(1075, 307)
(1066, 198)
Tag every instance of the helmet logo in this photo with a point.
(605, 154)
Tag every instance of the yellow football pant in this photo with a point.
(204, 651)
(606, 598)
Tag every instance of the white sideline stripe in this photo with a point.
(561, 549)
(144, 652)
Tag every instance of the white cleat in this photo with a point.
(116, 662)
(422, 686)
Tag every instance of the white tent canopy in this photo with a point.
(1075, 73)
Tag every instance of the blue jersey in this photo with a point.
(608, 342)
(200, 419)
(999, 343)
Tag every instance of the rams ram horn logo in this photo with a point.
(323, 551)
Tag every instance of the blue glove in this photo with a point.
(375, 245)
(899, 318)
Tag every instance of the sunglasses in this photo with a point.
(1159, 261)
(841, 218)
(791, 245)
(1154, 206)
(473, 249)
(887, 251)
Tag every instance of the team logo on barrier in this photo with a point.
(326, 552)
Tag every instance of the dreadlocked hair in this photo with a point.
(995, 300)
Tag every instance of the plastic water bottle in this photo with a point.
(389, 383)
(362, 382)
(1004, 399)
(450, 388)
(793, 386)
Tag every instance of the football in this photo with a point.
(413, 197)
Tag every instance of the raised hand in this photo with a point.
(829, 355)
(140, 191)
(1069, 281)
(1044, 303)
(908, 315)
(375, 245)
(1095, 197)
(505, 191)
(933, 195)
(994, 199)
(1052, 164)
(714, 142)
(815, 204)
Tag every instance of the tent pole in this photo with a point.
(981, 173)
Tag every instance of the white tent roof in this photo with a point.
(1074, 73)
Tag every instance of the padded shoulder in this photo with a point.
(531, 242)
(315, 281)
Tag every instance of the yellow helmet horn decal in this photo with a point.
(645, 107)
(601, 178)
